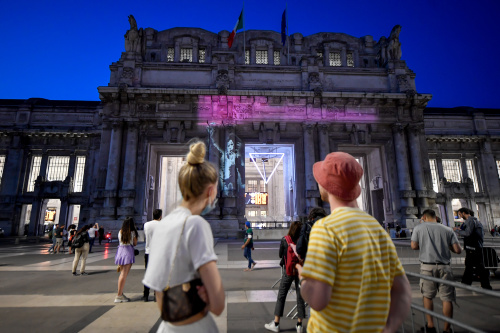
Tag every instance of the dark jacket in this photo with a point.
(472, 231)
(282, 252)
(303, 240)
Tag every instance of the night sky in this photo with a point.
(62, 49)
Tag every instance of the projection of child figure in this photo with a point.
(227, 160)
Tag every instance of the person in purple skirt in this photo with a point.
(124, 257)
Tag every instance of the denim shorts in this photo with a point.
(430, 289)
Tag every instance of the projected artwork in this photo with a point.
(231, 161)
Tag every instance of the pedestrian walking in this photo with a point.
(315, 214)
(80, 244)
(59, 238)
(52, 235)
(472, 231)
(352, 277)
(72, 233)
(288, 252)
(124, 258)
(435, 241)
(92, 232)
(101, 234)
(247, 247)
(149, 228)
(182, 256)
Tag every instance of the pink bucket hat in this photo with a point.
(339, 175)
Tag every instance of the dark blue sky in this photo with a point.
(62, 49)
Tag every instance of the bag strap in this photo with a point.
(175, 256)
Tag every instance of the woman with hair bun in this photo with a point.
(182, 247)
(124, 258)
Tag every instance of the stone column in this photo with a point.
(63, 212)
(195, 53)
(449, 213)
(439, 164)
(343, 57)
(312, 192)
(113, 169)
(326, 56)
(463, 165)
(127, 194)
(324, 141)
(414, 133)
(406, 193)
(252, 54)
(177, 52)
(492, 185)
(270, 55)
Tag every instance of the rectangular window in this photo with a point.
(79, 173)
(186, 55)
(252, 185)
(252, 213)
(36, 161)
(2, 165)
(261, 57)
(334, 58)
(247, 57)
(263, 213)
(57, 169)
(277, 58)
(434, 174)
(471, 171)
(201, 56)
(452, 171)
(170, 54)
(350, 60)
(262, 186)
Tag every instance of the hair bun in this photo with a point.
(196, 153)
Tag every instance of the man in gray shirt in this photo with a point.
(435, 241)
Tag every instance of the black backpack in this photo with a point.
(77, 242)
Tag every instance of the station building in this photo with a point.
(267, 113)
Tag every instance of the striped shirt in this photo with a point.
(351, 252)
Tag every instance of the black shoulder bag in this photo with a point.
(181, 302)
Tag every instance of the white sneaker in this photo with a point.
(272, 327)
(300, 329)
(121, 299)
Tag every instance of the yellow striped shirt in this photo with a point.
(351, 252)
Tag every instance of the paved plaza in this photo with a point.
(39, 294)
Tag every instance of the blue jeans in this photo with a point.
(247, 253)
(91, 243)
(53, 244)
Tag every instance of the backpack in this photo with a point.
(291, 258)
(77, 242)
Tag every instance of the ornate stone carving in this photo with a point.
(222, 81)
(407, 194)
(128, 73)
(242, 111)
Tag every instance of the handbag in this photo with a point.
(182, 301)
(136, 252)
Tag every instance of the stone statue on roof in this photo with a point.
(394, 47)
(133, 36)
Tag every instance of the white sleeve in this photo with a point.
(200, 242)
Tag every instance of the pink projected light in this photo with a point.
(272, 173)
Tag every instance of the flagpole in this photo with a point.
(244, 39)
(288, 35)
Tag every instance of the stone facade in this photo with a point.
(333, 92)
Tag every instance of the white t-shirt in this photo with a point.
(132, 236)
(92, 232)
(149, 228)
(195, 250)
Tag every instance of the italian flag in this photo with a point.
(237, 26)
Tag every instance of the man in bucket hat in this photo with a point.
(352, 277)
